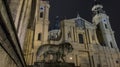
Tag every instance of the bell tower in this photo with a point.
(104, 31)
(41, 24)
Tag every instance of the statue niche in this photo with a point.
(57, 51)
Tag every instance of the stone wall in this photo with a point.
(14, 4)
(5, 60)
(10, 51)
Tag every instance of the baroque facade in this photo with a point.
(24, 28)
(94, 43)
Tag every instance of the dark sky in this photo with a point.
(70, 8)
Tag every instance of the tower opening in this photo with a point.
(41, 15)
(106, 26)
(39, 36)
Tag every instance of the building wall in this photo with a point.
(37, 30)
(24, 21)
(6, 61)
(10, 50)
(14, 5)
(28, 47)
(90, 53)
(80, 54)
(41, 25)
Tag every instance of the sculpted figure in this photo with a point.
(57, 51)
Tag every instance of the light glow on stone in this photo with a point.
(70, 58)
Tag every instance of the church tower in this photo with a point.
(41, 25)
(104, 32)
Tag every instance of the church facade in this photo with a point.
(85, 37)
(94, 43)
(24, 27)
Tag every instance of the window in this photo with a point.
(39, 36)
(106, 26)
(80, 38)
(111, 45)
(69, 35)
(41, 15)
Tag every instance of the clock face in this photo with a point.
(80, 23)
(104, 20)
(41, 8)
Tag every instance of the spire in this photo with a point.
(78, 16)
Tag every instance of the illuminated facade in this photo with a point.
(94, 43)
(24, 27)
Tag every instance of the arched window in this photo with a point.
(39, 36)
(111, 44)
(106, 26)
(41, 15)
(80, 38)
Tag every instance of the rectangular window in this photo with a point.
(41, 15)
(39, 36)
(80, 38)
(106, 26)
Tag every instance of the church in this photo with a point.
(24, 27)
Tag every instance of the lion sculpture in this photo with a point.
(57, 51)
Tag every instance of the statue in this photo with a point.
(57, 51)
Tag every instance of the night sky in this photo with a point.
(70, 8)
